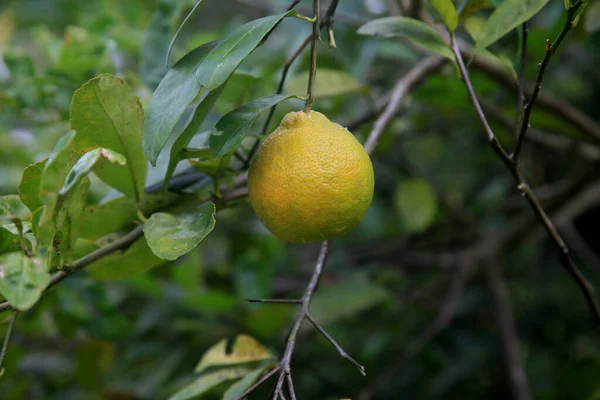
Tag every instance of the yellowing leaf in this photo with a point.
(245, 349)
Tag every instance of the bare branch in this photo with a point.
(412, 78)
(520, 89)
(522, 185)
(314, 44)
(262, 380)
(507, 331)
(343, 353)
(550, 49)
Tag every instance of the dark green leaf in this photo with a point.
(509, 15)
(176, 35)
(229, 54)
(99, 220)
(415, 30)
(136, 260)
(29, 187)
(474, 6)
(202, 109)
(231, 130)
(447, 11)
(22, 280)
(170, 236)
(105, 113)
(173, 95)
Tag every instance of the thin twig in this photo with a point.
(345, 355)
(562, 109)
(327, 18)
(551, 47)
(123, 242)
(411, 79)
(314, 47)
(9, 329)
(507, 331)
(284, 366)
(290, 384)
(523, 186)
(259, 382)
(521, 83)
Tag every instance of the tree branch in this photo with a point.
(314, 49)
(550, 49)
(326, 20)
(522, 185)
(284, 366)
(415, 76)
(520, 94)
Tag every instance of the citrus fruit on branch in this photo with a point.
(311, 179)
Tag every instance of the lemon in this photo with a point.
(311, 179)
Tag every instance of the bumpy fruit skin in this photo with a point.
(311, 180)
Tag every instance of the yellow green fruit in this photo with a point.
(311, 179)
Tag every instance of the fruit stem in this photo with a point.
(313, 57)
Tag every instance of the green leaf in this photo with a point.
(209, 381)
(329, 82)
(171, 236)
(176, 35)
(206, 104)
(98, 220)
(245, 349)
(29, 187)
(105, 113)
(243, 384)
(22, 280)
(205, 160)
(415, 30)
(8, 241)
(84, 166)
(137, 259)
(174, 94)
(57, 167)
(233, 127)
(11, 207)
(447, 11)
(509, 15)
(567, 4)
(416, 202)
(335, 302)
(229, 54)
(155, 43)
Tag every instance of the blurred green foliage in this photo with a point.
(111, 333)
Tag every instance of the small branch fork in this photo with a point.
(284, 366)
(550, 49)
(327, 20)
(522, 185)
